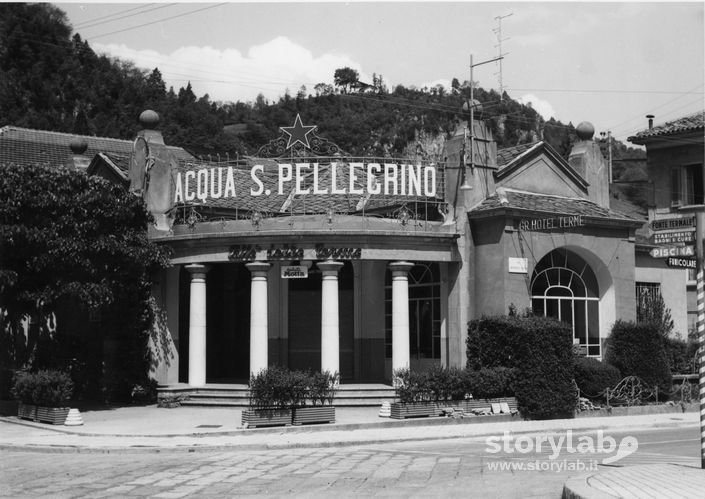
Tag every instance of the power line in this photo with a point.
(158, 21)
(605, 91)
(87, 25)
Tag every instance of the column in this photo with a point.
(400, 314)
(197, 325)
(259, 329)
(330, 341)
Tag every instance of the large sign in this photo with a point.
(673, 251)
(672, 223)
(333, 178)
(681, 236)
(552, 223)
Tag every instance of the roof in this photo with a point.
(28, 146)
(543, 203)
(685, 124)
(509, 154)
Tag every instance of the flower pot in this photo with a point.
(414, 410)
(256, 418)
(27, 411)
(52, 415)
(314, 414)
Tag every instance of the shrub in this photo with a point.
(492, 341)
(593, 376)
(445, 383)
(47, 388)
(638, 350)
(411, 386)
(492, 382)
(541, 350)
(278, 387)
(677, 355)
(322, 388)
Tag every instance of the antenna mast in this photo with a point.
(500, 54)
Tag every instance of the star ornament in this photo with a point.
(298, 133)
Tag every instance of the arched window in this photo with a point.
(424, 312)
(563, 286)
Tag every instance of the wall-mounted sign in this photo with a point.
(243, 253)
(681, 236)
(294, 272)
(518, 265)
(551, 223)
(672, 223)
(684, 263)
(285, 252)
(324, 253)
(673, 251)
(332, 178)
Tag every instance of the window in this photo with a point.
(647, 293)
(563, 286)
(687, 185)
(424, 312)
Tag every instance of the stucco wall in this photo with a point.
(673, 289)
(609, 252)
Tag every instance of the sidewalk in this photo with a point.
(186, 429)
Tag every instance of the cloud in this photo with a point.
(271, 68)
(544, 108)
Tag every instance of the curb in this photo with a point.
(245, 434)
(578, 488)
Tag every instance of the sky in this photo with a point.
(607, 63)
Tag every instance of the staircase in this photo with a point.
(233, 395)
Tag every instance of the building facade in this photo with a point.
(304, 257)
(675, 154)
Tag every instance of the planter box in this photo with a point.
(314, 414)
(414, 410)
(257, 418)
(27, 411)
(52, 415)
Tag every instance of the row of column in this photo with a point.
(259, 338)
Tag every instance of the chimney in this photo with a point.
(79, 161)
(650, 117)
(587, 160)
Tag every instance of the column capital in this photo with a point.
(258, 269)
(400, 269)
(197, 270)
(329, 267)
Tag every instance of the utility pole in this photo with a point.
(500, 55)
(472, 116)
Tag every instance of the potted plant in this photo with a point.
(415, 396)
(270, 399)
(321, 388)
(43, 395)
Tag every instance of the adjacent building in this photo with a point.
(675, 153)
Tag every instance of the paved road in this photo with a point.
(457, 467)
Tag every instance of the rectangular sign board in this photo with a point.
(684, 263)
(681, 236)
(518, 265)
(673, 251)
(672, 223)
(294, 272)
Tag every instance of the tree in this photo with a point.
(71, 241)
(345, 78)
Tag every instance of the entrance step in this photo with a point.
(235, 395)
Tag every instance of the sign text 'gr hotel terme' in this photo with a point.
(356, 178)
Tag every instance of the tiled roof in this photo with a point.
(288, 201)
(541, 203)
(28, 146)
(686, 124)
(508, 154)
